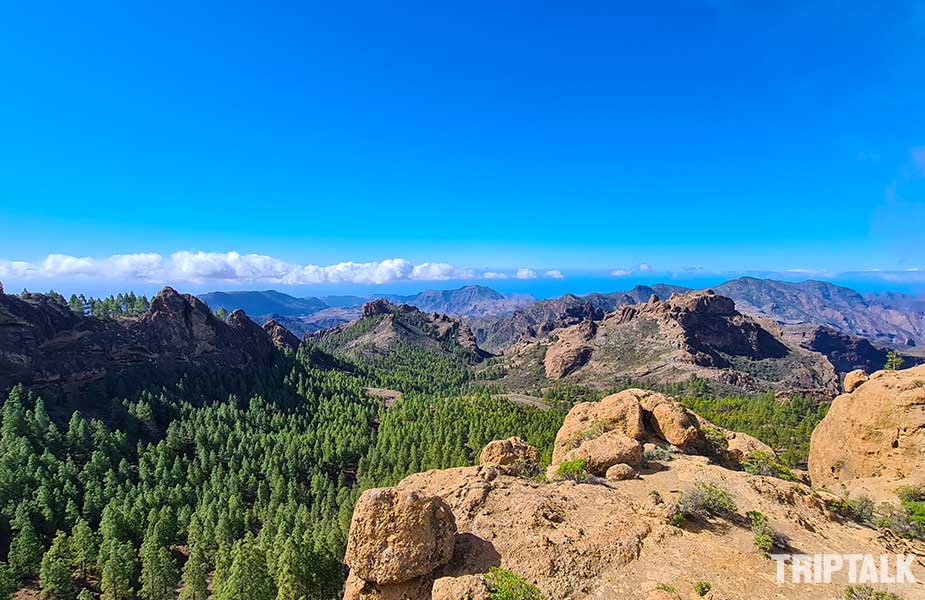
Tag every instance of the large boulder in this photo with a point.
(606, 450)
(397, 536)
(877, 430)
(674, 423)
(359, 589)
(854, 379)
(512, 454)
(619, 412)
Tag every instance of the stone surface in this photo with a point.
(854, 379)
(397, 536)
(877, 430)
(606, 450)
(282, 338)
(466, 587)
(620, 472)
(512, 453)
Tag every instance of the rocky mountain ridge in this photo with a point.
(694, 334)
(384, 327)
(47, 347)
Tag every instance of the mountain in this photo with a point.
(664, 342)
(467, 301)
(384, 327)
(499, 334)
(49, 348)
(263, 304)
(885, 319)
(896, 300)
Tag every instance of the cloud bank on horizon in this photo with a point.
(228, 267)
(187, 266)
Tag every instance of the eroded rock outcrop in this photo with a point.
(282, 338)
(875, 431)
(46, 346)
(599, 539)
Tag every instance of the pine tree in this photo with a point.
(294, 579)
(85, 595)
(7, 581)
(83, 549)
(248, 578)
(119, 571)
(158, 572)
(25, 550)
(55, 574)
(195, 574)
(893, 361)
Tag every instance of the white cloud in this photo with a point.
(640, 268)
(494, 275)
(199, 267)
(525, 274)
(555, 274)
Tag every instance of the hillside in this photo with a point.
(663, 342)
(385, 327)
(893, 320)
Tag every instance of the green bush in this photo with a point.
(573, 470)
(507, 585)
(764, 535)
(762, 463)
(702, 588)
(899, 521)
(860, 509)
(665, 588)
(913, 501)
(704, 500)
(659, 454)
(863, 592)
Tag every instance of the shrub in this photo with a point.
(665, 588)
(913, 501)
(764, 535)
(706, 499)
(678, 519)
(717, 446)
(762, 463)
(573, 470)
(860, 509)
(659, 454)
(507, 585)
(702, 588)
(899, 521)
(863, 592)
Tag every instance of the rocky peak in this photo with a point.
(282, 338)
(380, 306)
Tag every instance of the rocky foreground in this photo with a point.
(609, 528)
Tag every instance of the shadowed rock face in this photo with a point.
(45, 346)
(282, 338)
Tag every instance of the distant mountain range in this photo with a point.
(499, 321)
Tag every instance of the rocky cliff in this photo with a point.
(609, 528)
(47, 347)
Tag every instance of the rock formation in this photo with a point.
(875, 431)
(47, 347)
(604, 538)
(282, 338)
(693, 334)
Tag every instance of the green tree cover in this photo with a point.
(121, 304)
(169, 478)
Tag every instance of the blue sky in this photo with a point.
(699, 140)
